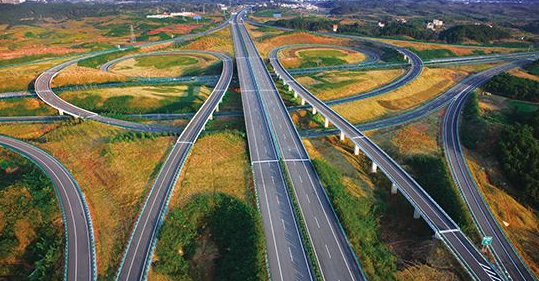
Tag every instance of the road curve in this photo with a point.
(468, 83)
(506, 256)
(137, 255)
(332, 252)
(445, 228)
(80, 249)
(44, 91)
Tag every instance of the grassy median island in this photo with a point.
(115, 172)
(215, 206)
(31, 226)
(302, 57)
(170, 65)
(140, 99)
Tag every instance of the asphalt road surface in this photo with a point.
(505, 254)
(77, 221)
(445, 228)
(137, 256)
(286, 255)
(333, 254)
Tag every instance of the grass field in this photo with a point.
(168, 65)
(519, 72)
(340, 84)
(140, 99)
(218, 164)
(80, 75)
(428, 85)
(301, 57)
(18, 78)
(435, 50)
(24, 107)
(266, 43)
(113, 173)
(220, 41)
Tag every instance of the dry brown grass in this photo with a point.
(24, 107)
(220, 41)
(523, 74)
(458, 50)
(519, 222)
(416, 138)
(18, 78)
(431, 83)
(474, 68)
(114, 177)
(79, 75)
(217, 163)
(347, 83)
(297, 37)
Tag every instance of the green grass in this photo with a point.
(432, 173)
(434, 53)
(524, 107)
(314, 58)
(161, 62)
(96, 61)
(212, 231)
(362, 227)
(28, 58)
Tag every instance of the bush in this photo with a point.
(474, 129)
(308, 23)
(533, 68)
(514, 87)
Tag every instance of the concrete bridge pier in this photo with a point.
(326, 122)
(341, 136)
(314, 110)
(211, 116)
(295, 94)
(217, 107)
(417, 214)
(356, 150)
(393, 188)
(60, 112)
(289, 88)
(302, 101)
(374, 167)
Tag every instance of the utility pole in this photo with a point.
(133, 38)
(203, 8)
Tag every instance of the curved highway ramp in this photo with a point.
(137, 256)
(445, 228)
(80, 249)
(506, 256)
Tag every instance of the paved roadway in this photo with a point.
(137, 256)
(332, 251)
(286, 255)
(504, 252)
(43, 89)
(468, 83)
(80, 248)
(445, 228)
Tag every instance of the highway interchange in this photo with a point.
(283, 173)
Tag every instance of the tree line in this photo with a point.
(513, 87)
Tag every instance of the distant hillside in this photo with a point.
(479, 33)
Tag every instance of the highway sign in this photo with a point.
(487, 241)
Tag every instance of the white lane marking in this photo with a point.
(284, 226)
(273, 180)
(358, 137)
(300, 179)
(449, 230)
(327, 249)
(277, 197)
(290, 252)
(264, 161)
(308, 199)
(316, 220)
(295, 160)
